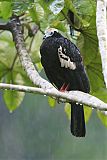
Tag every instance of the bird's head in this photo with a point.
(51, 32)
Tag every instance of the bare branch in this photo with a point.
(102, 34)
(76, 96)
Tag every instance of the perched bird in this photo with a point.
(64, 68)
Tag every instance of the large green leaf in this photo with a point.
(13, 98)
(37, 13)
(45, 5)
(5, 9)
(88, 42)
(88, 47)
(83, 11)
(102, 94)
(3, 70)
(94, 70)
(7, 50)
(8, 57)
(35, 53)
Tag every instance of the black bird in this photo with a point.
(64, 68)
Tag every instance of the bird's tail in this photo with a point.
(77, 120)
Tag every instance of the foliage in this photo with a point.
(36, 16)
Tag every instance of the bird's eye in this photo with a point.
(51, 33)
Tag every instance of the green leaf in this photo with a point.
(88, 42)
(67, 109)
(56, 6)
(95, 75)
(101, 94)
(87, 112)
(102, 117)
(88, 47)
(6, 38)
(5, 9)
(35, 53)
(95, 80)
(45, 5)
(3, 70)
(37, 13)
(7, 57)
(13, 98)
(52, 102)
(85, 12)
(7, 50)
(26, 81)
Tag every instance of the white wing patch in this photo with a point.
(65, 60)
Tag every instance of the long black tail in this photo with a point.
(77, 120)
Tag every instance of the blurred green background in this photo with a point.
(37, 132)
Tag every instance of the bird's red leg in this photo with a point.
(67, 87)
(64, 88)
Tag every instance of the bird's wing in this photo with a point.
(70, 58)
